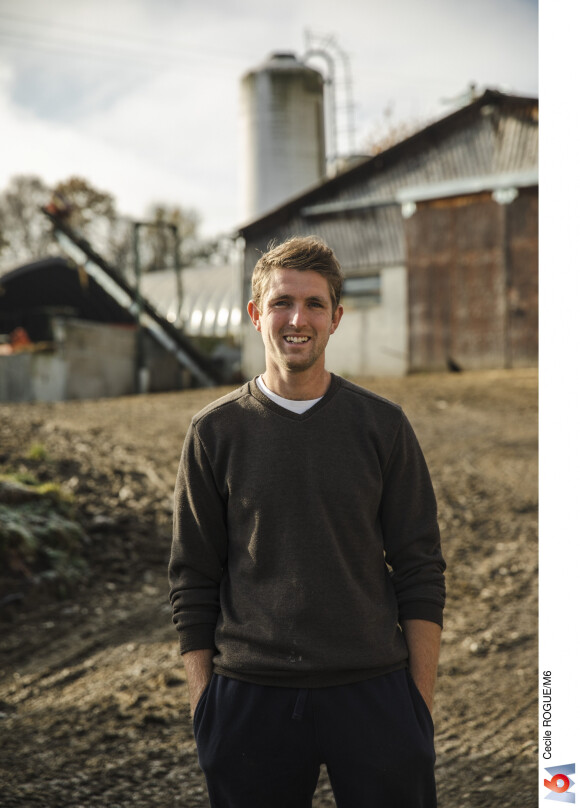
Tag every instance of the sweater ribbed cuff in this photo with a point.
(196, 638)
(422, 610)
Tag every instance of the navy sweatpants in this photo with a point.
(262, 747)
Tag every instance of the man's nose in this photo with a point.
(297, 316)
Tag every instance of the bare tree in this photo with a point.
(157, 241)
(92, 213)
(25, 232)
(87, 203)
(388, 132)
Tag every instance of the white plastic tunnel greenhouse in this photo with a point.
(211, 303)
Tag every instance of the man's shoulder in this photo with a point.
(367, 398)
(228, 402)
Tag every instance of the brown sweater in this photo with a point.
(282, 526)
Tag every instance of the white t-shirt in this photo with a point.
(294, 406)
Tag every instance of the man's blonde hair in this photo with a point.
(301, 253)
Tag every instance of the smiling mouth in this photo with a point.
(295, 340)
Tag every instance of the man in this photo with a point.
(306, 572)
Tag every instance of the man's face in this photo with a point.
(296, 319)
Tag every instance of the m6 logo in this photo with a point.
(560, 783)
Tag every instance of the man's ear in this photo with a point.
(336, 318)
(254, 313)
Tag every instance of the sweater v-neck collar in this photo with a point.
(277, 408)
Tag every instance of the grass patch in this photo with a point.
(40, 538)
(37, 452)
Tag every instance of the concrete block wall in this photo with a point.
(88, 360)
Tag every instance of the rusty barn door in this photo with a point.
(465, 269)
(522, 275)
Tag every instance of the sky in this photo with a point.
(142, 97)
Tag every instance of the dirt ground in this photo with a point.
(93, 701)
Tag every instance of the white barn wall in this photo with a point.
(252, 350)
(372, 339)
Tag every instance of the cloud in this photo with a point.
(56, 151)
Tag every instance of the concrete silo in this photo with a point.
(283, 153)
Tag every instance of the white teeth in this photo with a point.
(296, 339)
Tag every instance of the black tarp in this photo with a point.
(31, 294)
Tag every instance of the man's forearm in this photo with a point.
(198, 669)
(423, 641)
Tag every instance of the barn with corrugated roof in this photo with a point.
(438, 240)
